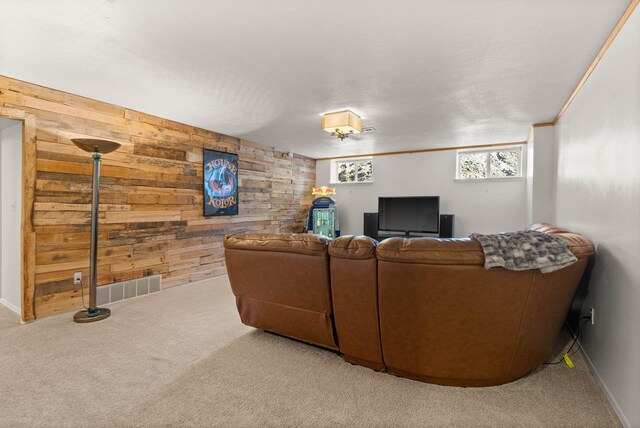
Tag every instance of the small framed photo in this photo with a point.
(220, 177)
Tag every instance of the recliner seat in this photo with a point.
(281, 284)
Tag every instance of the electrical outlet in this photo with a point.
(592, 315)
(77, 278)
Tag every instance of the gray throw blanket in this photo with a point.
(525, 250)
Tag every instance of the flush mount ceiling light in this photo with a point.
(341, 123)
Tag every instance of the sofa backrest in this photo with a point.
(445, 319)
(579, 245)
(549, 300)
(281, 284)
(421, 308)
(354, 287)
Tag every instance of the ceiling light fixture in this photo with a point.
(342, 123)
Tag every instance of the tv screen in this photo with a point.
(409, 214)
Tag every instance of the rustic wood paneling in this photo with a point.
(151, 215)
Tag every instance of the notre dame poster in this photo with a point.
(220, 183)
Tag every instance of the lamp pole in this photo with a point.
(97, 148)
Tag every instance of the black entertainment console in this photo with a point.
(409, 217)
(445, 229)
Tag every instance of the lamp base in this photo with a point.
(96, 314)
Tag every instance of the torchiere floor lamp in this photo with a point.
(97, 148)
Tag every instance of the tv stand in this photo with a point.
(406, 235)
(371, 228)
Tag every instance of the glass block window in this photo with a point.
(484, 164)
(354, 171)
(504, 164)
(472, 165)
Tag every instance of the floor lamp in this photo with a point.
(97, 148)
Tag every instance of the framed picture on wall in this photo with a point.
(220, 177)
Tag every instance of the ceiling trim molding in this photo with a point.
(541, 125)
(596, 60)
(410, 152)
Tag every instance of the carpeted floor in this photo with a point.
(8, 318)
(182, 358)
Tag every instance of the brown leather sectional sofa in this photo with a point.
(421, 308)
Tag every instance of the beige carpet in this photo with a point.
(8, 318)
(182, 358)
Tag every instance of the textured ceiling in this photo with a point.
(425, 73)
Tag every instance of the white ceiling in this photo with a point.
(425, 73)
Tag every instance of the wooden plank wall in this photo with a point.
(151, 215)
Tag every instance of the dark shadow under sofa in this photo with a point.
(421, 308)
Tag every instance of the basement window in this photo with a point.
(352, 171)
(489, 164)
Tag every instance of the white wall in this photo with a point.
(486, 207)
(10, 212)
(540, 174)
(598, 194)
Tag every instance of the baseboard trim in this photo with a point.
(216, 278)
(603, 386)
(10, 306)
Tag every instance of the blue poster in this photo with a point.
(220, 183)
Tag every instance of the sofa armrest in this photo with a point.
(579, 245)
(281, 242)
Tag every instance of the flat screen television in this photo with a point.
(418, 214)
